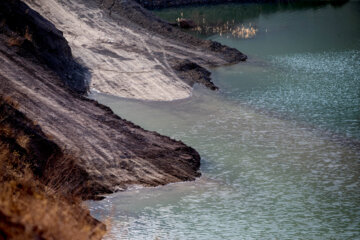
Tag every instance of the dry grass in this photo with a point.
(28, 35)
(30, 209)
(18, 40)
(23, 141)
(40, 215)
(2, 23)
(15, 41)
(8, 100)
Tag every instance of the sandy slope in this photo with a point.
(113, 151)
(105, 152)
(124, 59)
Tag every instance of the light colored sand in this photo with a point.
(122, 62)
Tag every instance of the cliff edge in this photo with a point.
(107, 153)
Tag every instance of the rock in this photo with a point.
(34, 35)
(95, 151)
(186, 23)
(174, 24)
(190, 70)
(232, 54)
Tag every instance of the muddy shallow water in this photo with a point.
(279, 142)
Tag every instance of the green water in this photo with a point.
(279, 142)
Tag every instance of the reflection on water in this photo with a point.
(279, 142)
(228, 20)
(227, 30)
(319, 89)
(263, 177)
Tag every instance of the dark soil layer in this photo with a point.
(137, 14)
(57, 145)
(40, 38)
(108, 153)
(73, 146)
(33, 209)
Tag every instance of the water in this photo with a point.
(279, 142)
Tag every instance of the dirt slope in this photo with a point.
(129, 52)
(109, 152)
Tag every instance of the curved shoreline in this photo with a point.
(72, 147)
(111, 153)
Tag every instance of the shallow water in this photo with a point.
(279, 142)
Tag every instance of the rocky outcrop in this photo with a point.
(186, 23)
(190, 70)
(35, 35)
(22, 137)
(96, 151)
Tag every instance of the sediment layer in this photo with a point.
(104, 152)
(131, 53)
(37, 198)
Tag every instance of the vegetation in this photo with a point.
(29, 207)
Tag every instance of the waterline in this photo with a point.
(279, 142)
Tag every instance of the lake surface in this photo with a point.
(280, 141)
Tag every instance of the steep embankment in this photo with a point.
(56, 145)
(131, 53)
(30, 209)
(107, 152)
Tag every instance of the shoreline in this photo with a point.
(74, 146)
(37, 54)
(141, 56)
